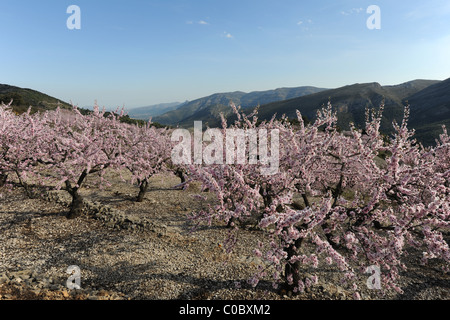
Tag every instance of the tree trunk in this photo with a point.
(77, 205)
(3, 179)
(292, 268)
(24, 185)
(231, 223)
(180, 173)
(143, 186)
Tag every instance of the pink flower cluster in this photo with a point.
(347, 200)
(62, 147)
(334, 191)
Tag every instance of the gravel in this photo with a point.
(147, 251)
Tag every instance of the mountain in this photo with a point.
(429, 102)
(255, 98)
(405, 90)
(144, 113)
(430, 109)
(351, 101)
(208, 108)
(212, 102)
(24, 98)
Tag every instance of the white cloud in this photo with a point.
(201, 22)
(352, 11)
(302, 22)
(228, 35)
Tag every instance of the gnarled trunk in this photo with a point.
(143, 186)
(77, 205)
(292, 268)
(3, 179)
(180, 173)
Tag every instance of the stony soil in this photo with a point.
(136, 251)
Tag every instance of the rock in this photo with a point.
(53, 287)
(65, 293)
(36, 291)
(17, 280)
(110, 224)
(44, 283)
(102, 293)
(4, 278)
(332, 291)
(24, 274)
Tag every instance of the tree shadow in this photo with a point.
(12, 218)
(204, 288)
(420, 282)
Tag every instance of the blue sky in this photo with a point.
(141, 52)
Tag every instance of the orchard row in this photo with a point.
(356, 198)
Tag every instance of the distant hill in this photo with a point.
(351, 101)
(24, 98)
(429, 101)
(430, 109)
(405, 90)
(144, 113)
(208, 108)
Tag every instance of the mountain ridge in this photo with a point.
(429, 102)
(23, 98)
(350, 102)
(210, 106)
(144, 113)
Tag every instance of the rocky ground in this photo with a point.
(148, 251)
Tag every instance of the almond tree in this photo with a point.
(6, 123)
(334, 193)
(23, 141)
(146, 152)
(82, 145)
(241, 188)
